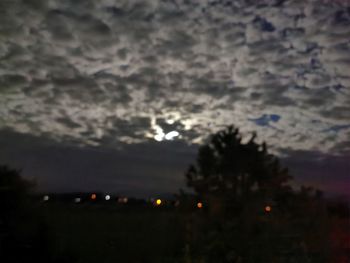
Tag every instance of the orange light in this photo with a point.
(200, 205)
(268, 208)
(158, 202)
(93, 197)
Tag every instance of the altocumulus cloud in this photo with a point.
(109, 73)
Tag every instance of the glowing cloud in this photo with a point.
(171, 135)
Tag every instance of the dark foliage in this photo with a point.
(24, 234)
(253, 215)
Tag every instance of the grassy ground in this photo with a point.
(101, 234)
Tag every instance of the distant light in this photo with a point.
(200, 205)
(93, 197)
(120, 200)
(177, 203)
(158, 202)
(268, 208)
(107, 197)
(171, 135)
(77, 200)
(46, 198)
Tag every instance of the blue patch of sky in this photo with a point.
(266, 119)
(311, 46)
(338, 87)
(279, 3)
(299, 87)
(342, 17)
(315, 63)
(337, 128)
(263, 24)
(114, 11)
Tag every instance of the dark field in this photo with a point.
(106, 234)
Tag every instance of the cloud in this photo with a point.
(99, 73)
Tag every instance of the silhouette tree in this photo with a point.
(24, 234)
(254, 215)
(229, 168)
(13, 191)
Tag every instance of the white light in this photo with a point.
(107, 197)
(188, 124)
(170, 121)
(171, 135)
(46, 198)
(159, 137)
(77, 200)
(159, 133)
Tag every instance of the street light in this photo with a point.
(267, 209)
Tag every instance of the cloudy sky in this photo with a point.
(116, 95)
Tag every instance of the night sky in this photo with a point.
(116, 95)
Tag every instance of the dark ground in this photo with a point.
(107, 234)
